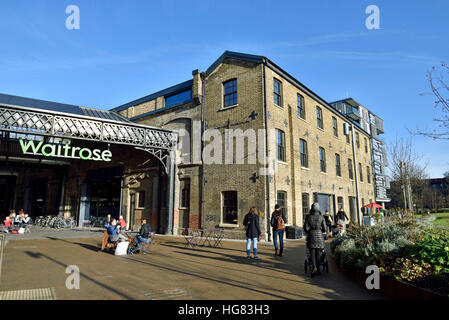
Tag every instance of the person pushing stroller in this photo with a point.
(314, 227)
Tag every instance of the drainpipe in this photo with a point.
(63, 195)
(122, 178)
(203, 125)
(267, 177)
(356, 175)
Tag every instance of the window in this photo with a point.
(305, 206)
(301, 108)
(141, 199)
(185, 197)
(351, 172)
(366, 146)
(322, 159)
(304, 153)
(277, 91)
(361, 172)
(280, 144)
(229, 213)
(357, 140)
(178, 98)
(340, 203)
(319, 118)
(347, 135)
(282, 201)
(368, 175)
(334, 126)
(230, 93)
(337, 164)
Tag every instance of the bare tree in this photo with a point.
(406, 169)
(438, 79)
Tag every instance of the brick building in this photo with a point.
(298, 135)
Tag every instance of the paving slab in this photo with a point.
(171, 271)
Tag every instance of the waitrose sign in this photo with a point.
(64, 151)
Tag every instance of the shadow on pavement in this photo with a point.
(40, 255)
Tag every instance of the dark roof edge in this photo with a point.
(170, 90)
(234, 55)
(146, 114)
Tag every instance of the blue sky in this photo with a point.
(127, 49)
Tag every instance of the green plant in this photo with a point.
(433, 249)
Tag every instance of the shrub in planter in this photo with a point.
(433, 248)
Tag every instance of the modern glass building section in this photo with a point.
(373, 126)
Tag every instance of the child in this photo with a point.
(8, 223)
(122, 223)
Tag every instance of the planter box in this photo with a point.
(393, 288)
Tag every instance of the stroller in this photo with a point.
(323, 263)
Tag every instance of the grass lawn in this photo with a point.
(442, 219)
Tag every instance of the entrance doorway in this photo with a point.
(105, 198)
(38, 196)
(7, 185)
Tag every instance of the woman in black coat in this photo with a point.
(314, 227)
(251, 222)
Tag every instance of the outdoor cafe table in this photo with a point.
(204, 237)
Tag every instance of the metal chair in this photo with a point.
(218, 236)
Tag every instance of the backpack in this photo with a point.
(281, 224)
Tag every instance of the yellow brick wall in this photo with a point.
(295, 130)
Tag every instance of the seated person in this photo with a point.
(27, 219)
(108, 221)
(17, 219)
(144, 233)
(8, 224)
(113, 232)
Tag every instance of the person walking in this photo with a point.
(314, 227)
(341, 218)
(278, 221)
(251, 222)
(328, 220)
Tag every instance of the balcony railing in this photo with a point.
(379, 125)
(352, 112)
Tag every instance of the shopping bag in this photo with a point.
(122, 248)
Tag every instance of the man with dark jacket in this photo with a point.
(278, 226)
(314, 227)
(144, 234)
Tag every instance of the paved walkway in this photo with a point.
(171, 271)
